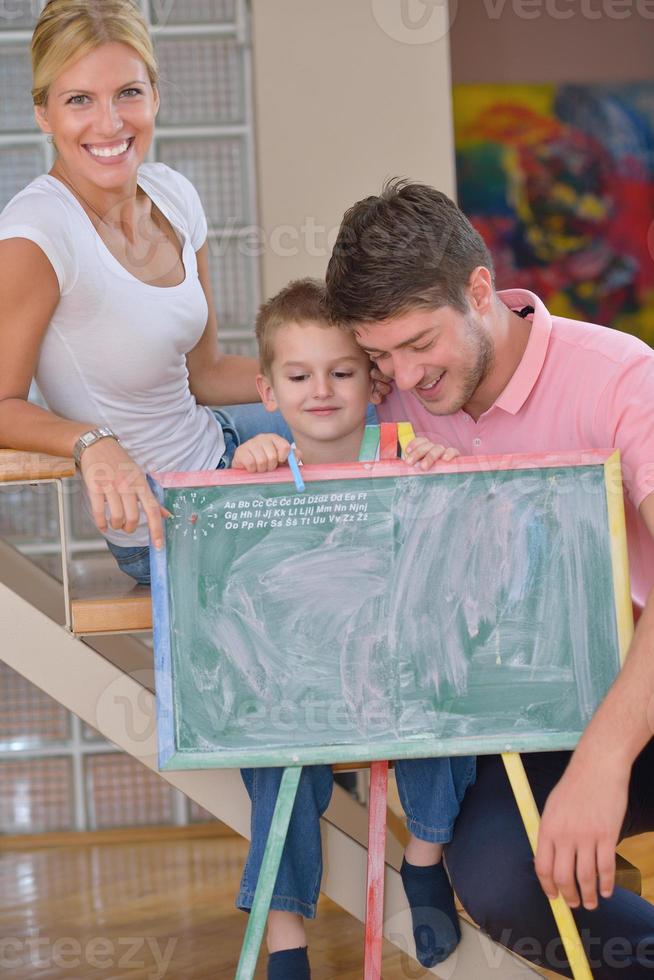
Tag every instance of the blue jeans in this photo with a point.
(431, 791)
(238, 422)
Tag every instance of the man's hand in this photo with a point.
(579, 831)
(584, 814)
(424, 453)
(262, 453)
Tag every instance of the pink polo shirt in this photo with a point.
(578, 386)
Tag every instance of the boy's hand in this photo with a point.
(424, 453)
(262, 453)
(381, 385)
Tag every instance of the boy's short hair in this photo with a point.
(301, 300)
(408, 248)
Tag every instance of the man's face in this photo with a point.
(441, 356)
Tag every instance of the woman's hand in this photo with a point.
(262, 453)
(118, 486)
(381, 385)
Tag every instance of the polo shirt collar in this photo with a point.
(528, 370)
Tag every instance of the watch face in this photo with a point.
(193, 515)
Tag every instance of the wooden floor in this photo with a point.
(149, 911)
(100, 911)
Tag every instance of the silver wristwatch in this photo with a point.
(88, 438)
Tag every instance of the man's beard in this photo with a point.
(479, 342)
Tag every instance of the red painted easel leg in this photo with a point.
(376, 867)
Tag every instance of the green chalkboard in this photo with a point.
(385, 613)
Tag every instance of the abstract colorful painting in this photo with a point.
(559, 179)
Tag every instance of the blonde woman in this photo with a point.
(104, 292)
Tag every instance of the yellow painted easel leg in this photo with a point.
(563, 916)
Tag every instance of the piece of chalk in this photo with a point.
(295, 470)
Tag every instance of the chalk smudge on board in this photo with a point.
(351, 633)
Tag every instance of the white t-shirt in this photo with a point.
(114, 351)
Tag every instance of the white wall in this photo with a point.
(344, 98)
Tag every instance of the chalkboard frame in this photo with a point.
(172, 757)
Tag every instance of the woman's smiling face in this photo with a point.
(101, 113)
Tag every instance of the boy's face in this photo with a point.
(319, 380)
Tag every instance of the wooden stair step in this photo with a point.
(105, 600)
(113, 614)
(627, 875)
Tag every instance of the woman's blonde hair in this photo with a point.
(69, 29)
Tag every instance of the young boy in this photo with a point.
(319, 379)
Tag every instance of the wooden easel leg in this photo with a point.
(268, 875)
(563, 916)
(376, 868)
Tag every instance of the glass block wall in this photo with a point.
(204, 130)
(55, 772)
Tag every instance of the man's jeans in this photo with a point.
(492, 868)
(431, 791)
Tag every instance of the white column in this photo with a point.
(347, 93)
